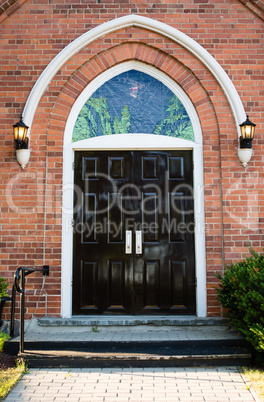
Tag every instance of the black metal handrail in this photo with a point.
(20, 275)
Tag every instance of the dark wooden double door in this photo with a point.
(133, 245)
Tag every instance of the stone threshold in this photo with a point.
(123, 320)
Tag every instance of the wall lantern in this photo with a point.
(20, 130)
(247, 134)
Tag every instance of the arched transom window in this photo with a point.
(133, 102)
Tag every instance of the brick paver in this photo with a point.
(138, 384)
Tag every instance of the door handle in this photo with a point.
(128, 241)
(138, 242)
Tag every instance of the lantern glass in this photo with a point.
(247, 129)
(20, 130)
(20, 133)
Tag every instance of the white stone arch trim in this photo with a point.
(145, 23)
(132, 142)
(119, 69)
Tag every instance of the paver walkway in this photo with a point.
(141, 384)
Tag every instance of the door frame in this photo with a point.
(121, 142)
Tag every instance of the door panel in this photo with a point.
(151, 284)
(89, 275)
(88, 233)
(179, 289)
(116, 285)
(146, 191)
(176, 217)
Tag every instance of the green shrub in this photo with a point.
(241, 292)
(3, 338)
(3, 287)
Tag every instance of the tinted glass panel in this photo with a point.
(133, 102)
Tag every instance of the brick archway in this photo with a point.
(155, 28)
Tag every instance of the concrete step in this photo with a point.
(143, 332)
(133, 354)
(131, 341)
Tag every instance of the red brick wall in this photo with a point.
(35, 33)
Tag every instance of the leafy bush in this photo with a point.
(241, 292)
(3, 287)
(3, 338)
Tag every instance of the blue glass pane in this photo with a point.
(133, 102)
